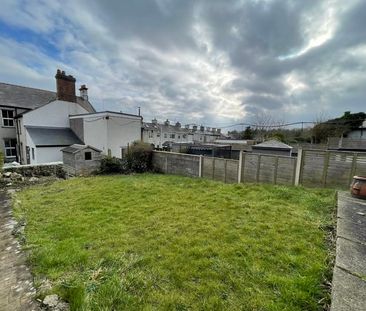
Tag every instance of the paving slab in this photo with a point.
(349, 275)
(350, 294)
(351, 257)
(351, 230)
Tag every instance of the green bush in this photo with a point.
(110, 165)
(139, 157)
(1, 160)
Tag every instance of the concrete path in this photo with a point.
(16, 288)
(349, 275)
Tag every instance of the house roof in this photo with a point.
(104, 113)
(52, 136)
(17, 96)
(272, 144)
(76, 148)
(24, 97)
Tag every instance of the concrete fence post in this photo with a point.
(240, 166)
(298, 168)
(166, 163)
(200, 166)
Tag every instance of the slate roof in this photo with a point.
(51, 136)
(272, 144)
(76, 148)
(30, 98)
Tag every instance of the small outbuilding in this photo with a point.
(273, 147)
(81, 159)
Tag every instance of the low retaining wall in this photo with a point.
(54, 169)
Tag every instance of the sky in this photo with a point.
(210, 62)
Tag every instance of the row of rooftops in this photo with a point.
(177, 127)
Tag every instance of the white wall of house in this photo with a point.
(110, 132)
(54, 114)
(357, 134)
(48, 154)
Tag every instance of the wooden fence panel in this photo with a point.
(339, 169)
(267, 167)
(286, 171)
(219, 173)
(250, 168)
(360, 165)
(207, 171)
(232, 167)
(312, 168)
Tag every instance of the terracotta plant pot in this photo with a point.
(358, 187)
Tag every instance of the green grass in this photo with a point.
(155, 242)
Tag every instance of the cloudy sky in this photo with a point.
(211, 62)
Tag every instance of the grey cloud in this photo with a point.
(148, 53)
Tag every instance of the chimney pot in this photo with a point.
(65, 86)
(83, 92)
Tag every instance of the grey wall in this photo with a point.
(77, 126)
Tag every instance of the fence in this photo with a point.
(310, 168)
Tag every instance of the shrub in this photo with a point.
(139, 157)
(110, 165)
(1, 160)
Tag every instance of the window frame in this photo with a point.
(12, 148)
(7, 118)
(88, 153)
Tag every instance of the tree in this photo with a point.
(248, 133)
(337, 127)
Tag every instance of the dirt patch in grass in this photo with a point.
(155, 242)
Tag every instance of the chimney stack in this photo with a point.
(202, 128)
(65, 86)
(167, 122)
(178, 125)
(194, 128)
(84, 92)
(187, 126)
(154, 121)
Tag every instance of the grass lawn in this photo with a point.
(158, 242)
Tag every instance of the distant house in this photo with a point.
(354, 140)
(166, 134)
(273, 147)
(43, 131)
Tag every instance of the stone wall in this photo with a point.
(39, 170)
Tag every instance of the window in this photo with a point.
(165, 135)
(172, 135)
(184, 135)
(178, 136)
(10, 148)
(88, 155)
(32, 153)
(8, 117)
(151, 134)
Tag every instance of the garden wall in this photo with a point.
(313, 168)
(55, 169)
